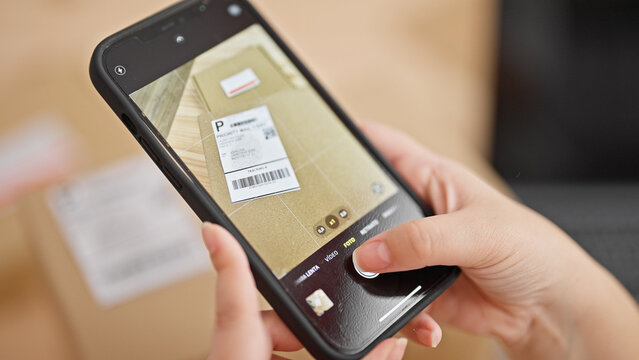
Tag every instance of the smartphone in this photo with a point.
(251, 141)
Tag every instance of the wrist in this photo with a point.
(549, 335)
(553, 330)
(585, 313)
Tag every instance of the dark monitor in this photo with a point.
(568, 91)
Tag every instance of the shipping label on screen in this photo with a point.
(254, 160)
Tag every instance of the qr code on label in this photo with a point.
(269, 133)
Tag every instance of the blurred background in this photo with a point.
(541, 99)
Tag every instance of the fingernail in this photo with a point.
(372, 256)
(436, 337)
(430, 338)
(398, 349)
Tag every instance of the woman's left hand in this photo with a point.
(242, 331)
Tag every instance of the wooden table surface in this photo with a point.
(424, 66)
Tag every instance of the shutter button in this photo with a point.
(362, 273)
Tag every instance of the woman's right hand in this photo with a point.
(523, 279)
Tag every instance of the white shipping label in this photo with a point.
(253, 158)
(243, 81)
(128, 230)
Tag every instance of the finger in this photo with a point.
(424, 330)
(393, 143)
(412, 161)
(434, 183)
(282, 338)
(389, 349)
(236, 300)
(436, 240)
(442, 184)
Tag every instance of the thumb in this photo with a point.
(389, 349)
(436, 240)
(236, 300)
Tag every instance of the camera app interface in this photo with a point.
(279, 162)
(272, 154)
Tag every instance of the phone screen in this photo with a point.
(271, 153)
(288, 173)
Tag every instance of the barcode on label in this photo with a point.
(260, 178)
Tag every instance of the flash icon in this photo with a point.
(120, 70)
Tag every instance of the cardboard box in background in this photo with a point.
(172, 322)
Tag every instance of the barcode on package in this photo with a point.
(260, 178)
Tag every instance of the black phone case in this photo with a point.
(207, 210)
